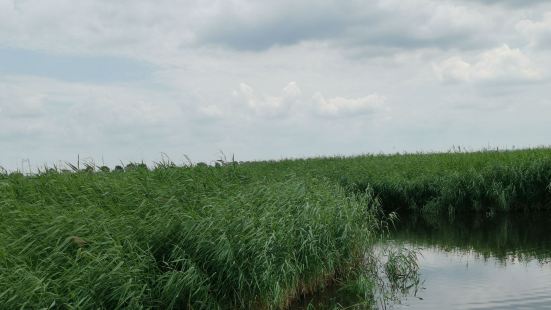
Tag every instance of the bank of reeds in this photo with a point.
(247, 235)
(201, 237)
(486, 181)
(506, 182)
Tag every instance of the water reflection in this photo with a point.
(500, 262)
(469, 262)
(516, 237)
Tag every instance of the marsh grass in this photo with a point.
(489, 181)
(237, 235)
(195, 237)
(395, 269)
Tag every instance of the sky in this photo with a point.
(142, 80)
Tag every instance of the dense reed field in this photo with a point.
(175, 237)
(234, 235)
(485, 181)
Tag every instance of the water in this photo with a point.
(470, 262)
(502, 262)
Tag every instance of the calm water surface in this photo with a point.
(499, 262)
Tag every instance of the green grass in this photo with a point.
(248, 235)
(200, 237)
(449, 183)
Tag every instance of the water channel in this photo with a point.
(468, 262)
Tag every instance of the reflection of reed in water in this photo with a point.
(519, 236)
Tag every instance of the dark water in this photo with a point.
(499, 262)
(470, 262)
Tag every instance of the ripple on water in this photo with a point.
(466, 280)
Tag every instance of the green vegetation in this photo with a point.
(201, 237)
(486, 181)
(480, 182)
(247, 235)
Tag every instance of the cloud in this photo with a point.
(137, 29)
(538, 33)
(97, 69)
(339, 106)
(256, 26)
(499, 64)
(269, 106)
(292, 101)
(211, 111)
(157, 30)
(512, 3)
(13, 105)
(134, 77)
(58, 110)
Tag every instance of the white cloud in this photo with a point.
(57, 109)
(159, 30)
(292, 90)
(211, 110)
(13, 105)
(357, 53)
(499, 64)
(538, 33)
(269, 106)
(453, 69)
(292, 100)
(340, 106)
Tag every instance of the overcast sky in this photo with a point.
(127, 80)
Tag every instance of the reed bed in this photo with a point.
(233, 235)
(481, 183)
(488, 181)
(175, 237)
